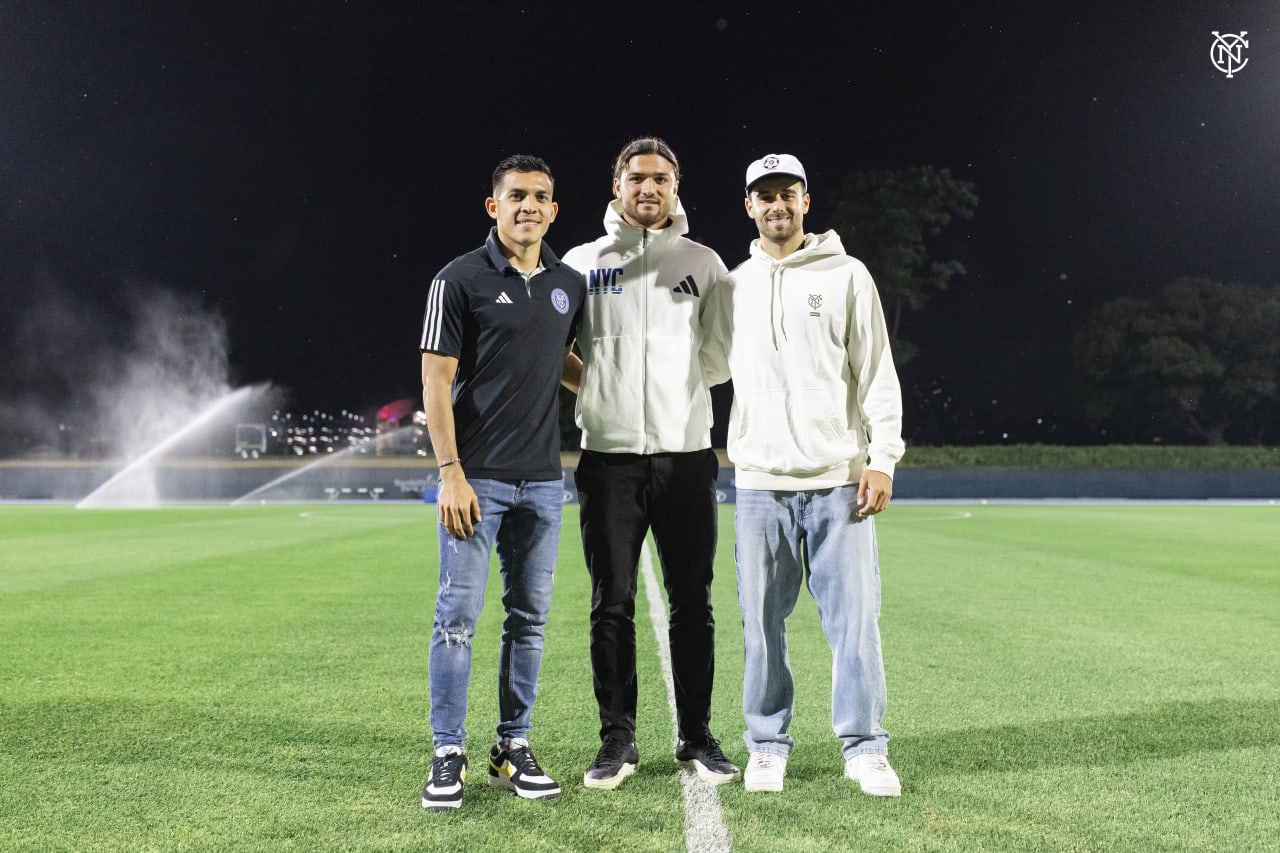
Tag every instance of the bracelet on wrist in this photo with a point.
(446, 462)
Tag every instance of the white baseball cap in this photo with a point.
(776, 164)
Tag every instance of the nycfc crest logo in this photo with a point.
(1227, 52)
(560, 300)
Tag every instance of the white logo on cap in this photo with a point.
(770, 162)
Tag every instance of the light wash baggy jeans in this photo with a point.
(785, 539)
(523, 520)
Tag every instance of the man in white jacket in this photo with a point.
(814, 434)
(647, 463)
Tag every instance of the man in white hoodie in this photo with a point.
(647, 463)
(814, 434)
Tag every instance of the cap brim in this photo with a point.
(801, 178)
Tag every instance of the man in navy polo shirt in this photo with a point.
(498, 325)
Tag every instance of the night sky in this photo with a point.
(302, 169)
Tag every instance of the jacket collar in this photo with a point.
(494, 249)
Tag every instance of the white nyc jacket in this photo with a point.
(816, 396)
(642, 388)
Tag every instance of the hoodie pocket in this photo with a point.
(610, 404)
(791, 431)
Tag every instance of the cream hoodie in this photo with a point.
(642, 388)
(816, 396)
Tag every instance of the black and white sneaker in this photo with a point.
(444, 787)
(707, 759)
(616, 760)
(513, 767)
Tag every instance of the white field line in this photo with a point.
(704, 829)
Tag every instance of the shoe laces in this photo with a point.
(611, 751)
(766, 760)
(446, 768)
(876, 762)
(711, 749)
(522, 757)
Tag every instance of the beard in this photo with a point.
(779, 231)
(649, 217)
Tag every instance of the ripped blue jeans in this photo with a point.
(522, 520)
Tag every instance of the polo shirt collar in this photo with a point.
(494, 248)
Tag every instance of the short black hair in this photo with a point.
(645, 145)
(521, 163)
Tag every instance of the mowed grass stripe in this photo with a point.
(255, 678)
(704, 828)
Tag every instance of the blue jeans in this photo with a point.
(814, 537)
(523, 520)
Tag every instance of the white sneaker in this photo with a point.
(765, 772)
(873, 773)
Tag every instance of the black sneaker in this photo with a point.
(707, 759)
(616, 760)
(444, 787)
(513, 767)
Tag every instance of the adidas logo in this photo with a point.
(686, 285)
(503, 299)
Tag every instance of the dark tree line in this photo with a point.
(1198, 362)
(886, 219)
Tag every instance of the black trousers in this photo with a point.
(621, 497)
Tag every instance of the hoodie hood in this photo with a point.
(816, 247)
(626, 234)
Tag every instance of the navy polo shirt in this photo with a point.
(509, 339)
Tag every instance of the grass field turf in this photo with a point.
(213, 678)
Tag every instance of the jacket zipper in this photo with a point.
(644, 349)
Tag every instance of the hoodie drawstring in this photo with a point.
(776, 320)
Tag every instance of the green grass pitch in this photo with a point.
(254, 678)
